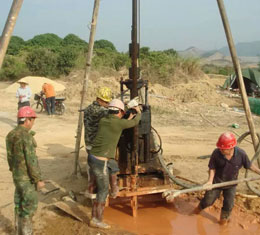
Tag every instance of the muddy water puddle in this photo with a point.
(166, 219)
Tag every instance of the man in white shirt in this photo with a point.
(23, 94)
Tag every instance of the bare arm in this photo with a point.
(211, 176)
(255, 169)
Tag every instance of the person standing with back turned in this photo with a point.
(49, 92)
(23, 163)
(92, 115)
(102, 156)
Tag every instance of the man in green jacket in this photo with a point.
(23, 164)
(102, 156)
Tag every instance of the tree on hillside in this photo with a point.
(171, 52)
(144, 51)
(48, 40)
(13, 68)
(72, 39)
(15, 45)
(42, 62)
(104, 44)
(66, 60)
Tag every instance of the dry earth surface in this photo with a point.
(189, 117)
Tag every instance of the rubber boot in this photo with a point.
(113, 185)
(94, 210)
(90, 192)
(196, 210)
(98, 221)
(91, 183)
(224, 217)
(93, 221)
(26, 226)
(223, 221)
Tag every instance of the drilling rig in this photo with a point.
(139, 155)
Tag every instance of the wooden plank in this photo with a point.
(72, 209)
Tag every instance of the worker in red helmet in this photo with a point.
(23, 163)
(224, 165)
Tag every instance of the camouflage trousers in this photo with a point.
(25, 199)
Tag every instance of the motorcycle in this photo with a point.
(40, 104)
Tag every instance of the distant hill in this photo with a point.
(191, 52)
(244, 49)
(251, 49)
(248, 52)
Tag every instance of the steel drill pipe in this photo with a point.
(171, 194)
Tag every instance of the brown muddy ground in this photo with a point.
(188, 130)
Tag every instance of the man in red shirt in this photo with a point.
(49, 92)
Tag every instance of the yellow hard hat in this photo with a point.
(104, 93)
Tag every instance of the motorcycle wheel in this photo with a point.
(60, 108)
(37, 107)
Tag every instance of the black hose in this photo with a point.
(160, 139)
(255, 157)
(164, 166)
(172, 177)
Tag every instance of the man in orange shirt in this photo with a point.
(49, 92)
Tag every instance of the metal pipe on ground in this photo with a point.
(238, 74)
(171, 194)
(85, 82)
(9, 27)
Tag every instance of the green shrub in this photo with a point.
(47, 40)
(74, 40)
(104, 44)
(15, 45)
(66, 60)
(42, 62)
(12, 69)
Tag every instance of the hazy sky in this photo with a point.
(165, 24)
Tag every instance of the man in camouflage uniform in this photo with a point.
(92, 115)
(23, 164)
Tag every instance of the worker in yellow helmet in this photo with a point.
(92, 115)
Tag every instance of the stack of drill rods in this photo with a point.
(171, 194)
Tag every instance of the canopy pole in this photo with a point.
(238, 74)
(9, 27)
(85, 81)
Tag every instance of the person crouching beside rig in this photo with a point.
(224, 165)
(101, 159)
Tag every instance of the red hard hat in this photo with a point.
(227, 141)
(26, 112)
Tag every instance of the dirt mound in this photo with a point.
(35, 84)
(204, 91)
(75, 81)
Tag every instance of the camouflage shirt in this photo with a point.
(92, 115)
(21, 155)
